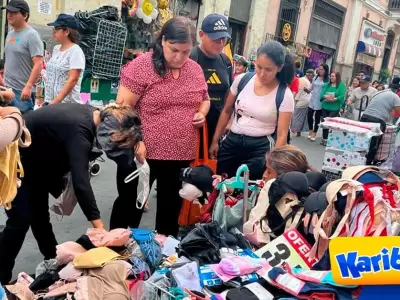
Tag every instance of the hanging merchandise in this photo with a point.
(109, 49)
(147, 10)
(133, 8)
(89, 25)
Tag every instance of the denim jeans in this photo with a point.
(23, 105)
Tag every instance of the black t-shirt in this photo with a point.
(62, 140)
(218, 74)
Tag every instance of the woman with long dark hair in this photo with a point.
(170, 94)
(256, 117)
(332, 98)
(315, 106)
(65, 67)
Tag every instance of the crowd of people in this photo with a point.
(165, 96)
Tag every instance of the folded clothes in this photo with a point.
(94, 258)
(324, 277)
(103, 238)
(241, 265)
(67, 251)
(306, 290)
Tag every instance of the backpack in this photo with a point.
(278, 100)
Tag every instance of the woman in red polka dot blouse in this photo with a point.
(170, 94)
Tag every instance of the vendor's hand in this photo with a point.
(5, 111)
(213, 150)
(97, 224)
(141, 152)
(198, 120)
(26, 93)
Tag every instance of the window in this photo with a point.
(287, 24)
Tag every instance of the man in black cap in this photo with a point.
(217, 67)
(361, 96)
(23, 55)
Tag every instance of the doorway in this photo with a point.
(238, 32)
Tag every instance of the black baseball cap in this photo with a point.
(365, 78)
(67, 21)
(16, 6)
(216, 26)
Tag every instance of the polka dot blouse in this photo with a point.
(167, 106)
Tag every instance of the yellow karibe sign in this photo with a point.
(365, 260)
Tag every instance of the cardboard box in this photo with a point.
(347, 141)
(335, 159)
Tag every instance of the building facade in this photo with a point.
(348, 35)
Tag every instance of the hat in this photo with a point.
(16, 6)
(67, 21)
(310, 71)
(200, 176)
(365, 78)
(216, 26)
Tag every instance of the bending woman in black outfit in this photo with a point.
(62, 139)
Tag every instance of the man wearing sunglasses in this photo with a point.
(217, 67)
(23, 55)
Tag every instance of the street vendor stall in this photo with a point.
(109, 41)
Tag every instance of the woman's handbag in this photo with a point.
(212, 163)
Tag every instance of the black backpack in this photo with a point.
(278, 100)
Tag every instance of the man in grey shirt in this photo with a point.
(380, 111)
(23, 55)
(361, 97)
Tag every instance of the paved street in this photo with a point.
(72, 227)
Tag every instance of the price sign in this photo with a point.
(291, 248)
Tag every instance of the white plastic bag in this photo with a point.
(65, 204)
(143, 189)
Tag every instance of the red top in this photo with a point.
(167, 106)
(294, 87)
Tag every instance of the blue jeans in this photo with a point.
(23, 105)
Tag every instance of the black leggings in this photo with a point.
(166, 172)
(237, 149)
(30, 208)
(326, 114)
(313, 121)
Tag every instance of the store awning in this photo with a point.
(368, 49)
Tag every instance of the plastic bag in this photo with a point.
(46, 265)
(65, 204)
(143, 189)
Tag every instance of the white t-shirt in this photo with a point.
(57, 73)
(256, 115)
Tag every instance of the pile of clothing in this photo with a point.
(210, 261)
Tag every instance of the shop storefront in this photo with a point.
(369, 47)
(299, 50)
(239, 15)
(324, 33)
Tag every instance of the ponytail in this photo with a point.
(286, 75)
